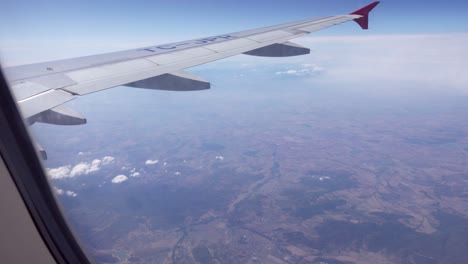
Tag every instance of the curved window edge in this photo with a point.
(24, 165)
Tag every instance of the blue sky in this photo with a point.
(174, 19)
(418, 41)
(63, 28)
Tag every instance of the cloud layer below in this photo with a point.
(83, 168)
(435, 60)
(304, 70)
(63, 192)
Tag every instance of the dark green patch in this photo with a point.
(251, 205)
(448, 245)
(275, 170)
(305, 200)
(307, 209)
(390, 217)
(455, 188)
(431, 141)
(212, 147)
(298, 238)
(202, 254)
(330, 261)
(251, 153)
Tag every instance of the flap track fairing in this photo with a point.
(178, 81)
(286, 49)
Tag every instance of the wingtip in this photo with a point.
(363, 21)
(366, 10)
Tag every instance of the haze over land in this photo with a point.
(278, 163)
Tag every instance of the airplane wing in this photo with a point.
(42, 88)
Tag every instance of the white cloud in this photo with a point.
(151, 162)
(71, 194)
(219, 157)
(59, 173)
(305, 70)
(58, 191)
(107, 160)
(377, 62)
(135, 174)
(119, 179)
(83, 168)
(62, 192)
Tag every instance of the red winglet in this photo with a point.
(364, 12)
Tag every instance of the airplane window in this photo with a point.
(304, 139)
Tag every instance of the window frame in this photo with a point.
(22, 161)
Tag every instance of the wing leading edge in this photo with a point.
(42, 88)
